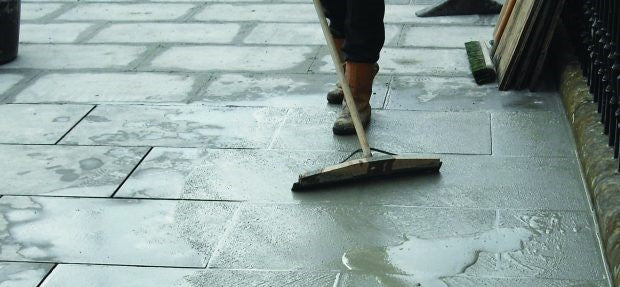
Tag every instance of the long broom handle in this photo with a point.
(348, 96)
(503, 21)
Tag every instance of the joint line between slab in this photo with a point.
(276, 134)
(75, 125)
(47, 275)
(337, 280)
(131, 172)
(491, 131)
(225, 234)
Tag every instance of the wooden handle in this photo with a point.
(503, 21)
(348, 96)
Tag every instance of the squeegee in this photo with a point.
(368, 167)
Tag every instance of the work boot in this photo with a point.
(336, 96)
(359, 77)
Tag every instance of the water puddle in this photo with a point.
(427, 261)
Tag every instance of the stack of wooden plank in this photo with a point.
(523, 36)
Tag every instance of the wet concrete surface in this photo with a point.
(181, 173)
(139, 151)
(67, 274)
(16, 274)
(65, 170)
(109, 231)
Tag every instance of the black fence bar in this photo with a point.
(595, 29)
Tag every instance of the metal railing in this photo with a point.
(596, 33)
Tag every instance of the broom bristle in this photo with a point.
(479, 63)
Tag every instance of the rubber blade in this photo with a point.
(367, 168)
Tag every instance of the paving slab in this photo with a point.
(303, 34)
(279, 90)
(35, 11)
(217, 127)
(181, 173)
(46, 56)
(109, 88)
(258, 12)
(446, 36)
(38, 124)
(309, 237)
(462, 94)
(256, 175)
(111, 231)
(383, 241)
(66, 275)
(235, 58)
(126, 12)
(531, 134)
(395, 131)
(51, 33)
(369, 280)
(563, 246)
(7, 81)
(212, 33)
(65, 170)
(15, 274)
(429, 62)
(406, 14)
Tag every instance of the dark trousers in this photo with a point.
(360, 22)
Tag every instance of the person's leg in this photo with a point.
(365, 35)
(364, 30)
(336, 11)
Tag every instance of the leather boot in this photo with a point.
(336, 95)
(359, 77)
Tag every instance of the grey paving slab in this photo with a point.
(255, 175)
(175, 173)
(440, 62)
(563, 245)
(531, 134)
(235, 58)
(51, 33)
(406, 14)
(304, 13)
(168, 33)
(396, 131)
(109, 88)
(65, 170)
(217, 127)
(279, 90)
(111, 231)
(302, 34)
(126, 12)
(462, 94)
(369, 280)
(383, 240)
(13, 274)
(316, 237)
(45, 56)
(258, 12)
(38, 124)
(445, 36)
(7, 81)
(34, 11)
(103, 276)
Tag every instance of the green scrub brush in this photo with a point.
(480, 62)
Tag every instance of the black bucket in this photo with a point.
(9, 29)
